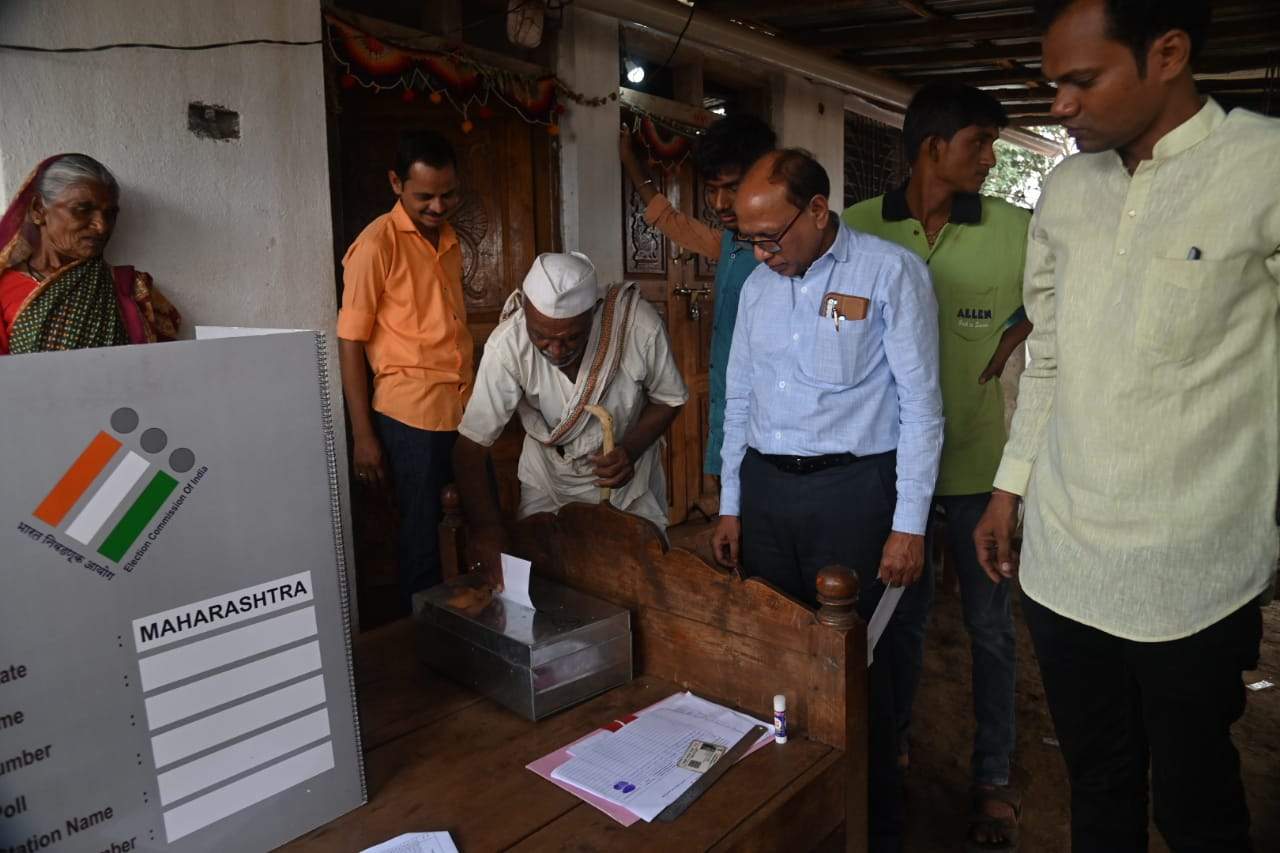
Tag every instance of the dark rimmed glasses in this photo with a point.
(769, 245)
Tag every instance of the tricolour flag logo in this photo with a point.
(106, 477)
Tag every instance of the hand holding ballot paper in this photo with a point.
(640, 768)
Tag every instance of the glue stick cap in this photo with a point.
(779, 702)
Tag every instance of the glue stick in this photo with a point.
(779, 719)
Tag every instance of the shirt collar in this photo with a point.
(839, 249)
(400, 219)
(966, 208)
(1191, 132)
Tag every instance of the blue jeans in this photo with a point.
(988, 617)
(421, 465)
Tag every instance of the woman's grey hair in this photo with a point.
(72, 170)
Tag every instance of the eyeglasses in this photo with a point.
(769, 245)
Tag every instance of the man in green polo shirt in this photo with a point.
(975, 247)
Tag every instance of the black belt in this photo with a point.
(812, 464)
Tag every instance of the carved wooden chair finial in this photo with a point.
(837, 597)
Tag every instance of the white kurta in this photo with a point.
(512, 369)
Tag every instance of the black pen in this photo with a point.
(1194, 254)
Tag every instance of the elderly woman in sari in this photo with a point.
(56, 291)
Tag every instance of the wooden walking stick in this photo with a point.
(606, 423)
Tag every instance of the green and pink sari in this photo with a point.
(85, 304)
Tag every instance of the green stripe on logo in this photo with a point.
(144, 508)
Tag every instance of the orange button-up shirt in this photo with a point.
(403, 298)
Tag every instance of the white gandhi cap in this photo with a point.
(560, 286)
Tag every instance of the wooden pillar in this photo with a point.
(590, 174)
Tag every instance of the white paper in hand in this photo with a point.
(880, 618)
(515, 581)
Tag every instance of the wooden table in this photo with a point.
(439, 757)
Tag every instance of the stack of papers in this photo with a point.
(416, 842)
(631, 771)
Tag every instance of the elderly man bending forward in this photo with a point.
(561, 346)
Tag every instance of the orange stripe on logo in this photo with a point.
(78, 478)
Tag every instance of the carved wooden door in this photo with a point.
(506, 217)
(678, 283)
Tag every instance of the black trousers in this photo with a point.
(1122, 708)
(421, 464)
(793, 525)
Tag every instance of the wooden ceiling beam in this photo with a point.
(1021, 52)
(916, 8)
(767, 9)
(973, 77)
(932, 31)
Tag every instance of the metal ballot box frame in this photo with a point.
(535, 662)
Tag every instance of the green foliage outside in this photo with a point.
(1019, 173)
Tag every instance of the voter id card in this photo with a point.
(699, 756)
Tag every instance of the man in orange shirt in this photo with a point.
(403, 312)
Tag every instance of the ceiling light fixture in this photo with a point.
(635, 71)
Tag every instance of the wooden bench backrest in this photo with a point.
(731, 640)
(737, 641)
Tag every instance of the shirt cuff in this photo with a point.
(729, 501)
(354, 325)
(657, 206)
(1013, 475)
(911, 515)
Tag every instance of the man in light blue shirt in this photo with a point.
(833, 418)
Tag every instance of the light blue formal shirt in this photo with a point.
(799, 386)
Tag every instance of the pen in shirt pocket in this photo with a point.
(1194, 254)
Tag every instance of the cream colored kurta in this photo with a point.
(1147, 433)
(512, 369)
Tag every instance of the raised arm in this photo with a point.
(681, 229)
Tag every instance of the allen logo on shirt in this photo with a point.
(974, 318)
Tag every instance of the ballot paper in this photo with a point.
(880, 618)
(637, 766)
(515, 581)
(416, 842)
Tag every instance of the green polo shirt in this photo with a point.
(976, 264)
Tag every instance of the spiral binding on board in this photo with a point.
(339, 545)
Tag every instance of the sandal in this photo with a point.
(989, 825)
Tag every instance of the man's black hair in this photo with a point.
(1138, 23)
(802, 175)
(734, 143)
(942, 109)
(426, 147)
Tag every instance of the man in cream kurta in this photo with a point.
(563, 344)
(1146, 443)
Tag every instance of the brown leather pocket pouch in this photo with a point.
(844, 305)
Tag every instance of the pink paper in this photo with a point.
(547, 763)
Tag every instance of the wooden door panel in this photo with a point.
(506, 217)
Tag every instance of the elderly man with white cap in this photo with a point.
(562, 346)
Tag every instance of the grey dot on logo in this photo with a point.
(154, 440)
(182, 460)
(124, 420)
